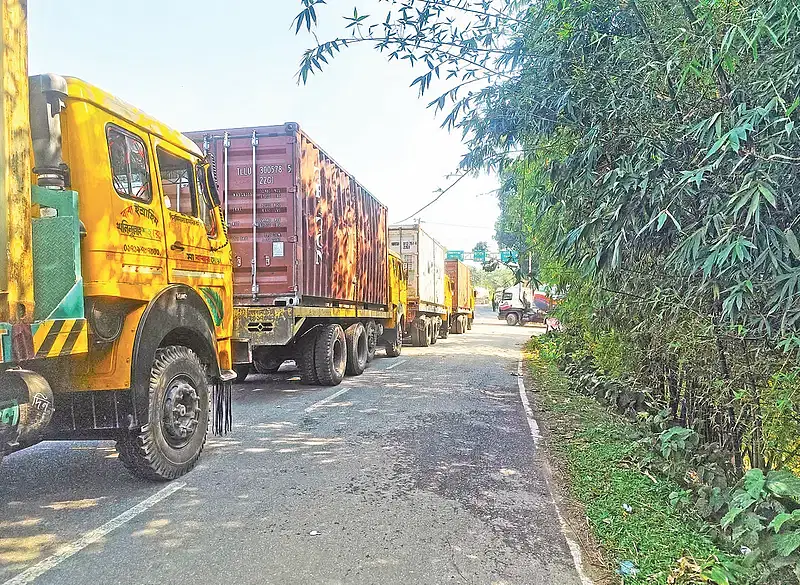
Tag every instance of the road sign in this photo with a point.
(455, 255)
(479, 255)
(508, 255)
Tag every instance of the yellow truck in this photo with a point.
(116, 291)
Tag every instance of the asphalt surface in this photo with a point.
(422, 471)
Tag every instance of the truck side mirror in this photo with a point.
(212, 185)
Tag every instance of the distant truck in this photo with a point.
(313, 279)
(462, 311)
(521, 304)
(424, 261)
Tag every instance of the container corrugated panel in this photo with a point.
(462, 283)
(423, 258)
(320, 237)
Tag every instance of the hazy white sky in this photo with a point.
(209, 64)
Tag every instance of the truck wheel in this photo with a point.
(357, 349)
(242, 371)
(457, 325)
(512, 319)
(393, 349)
(444, 332)
(469, 323)
(425, 334)
(434, 333)
(415, 335)
(372, 339)
(306, 358)
(171, 441)
(330, 355)
(268, 366)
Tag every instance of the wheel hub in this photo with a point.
(181, 413)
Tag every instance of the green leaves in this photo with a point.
(783, 483)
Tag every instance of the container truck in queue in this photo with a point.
(423, 259)
(462, 312)
(313, 279)
(115, 287)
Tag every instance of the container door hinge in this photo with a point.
(292, 239)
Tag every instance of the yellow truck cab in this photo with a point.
(127, 332)
(398, 300)
(444, 332)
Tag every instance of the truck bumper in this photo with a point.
(265, 325)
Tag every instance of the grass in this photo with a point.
(597, 451)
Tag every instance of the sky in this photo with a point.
(199, 64)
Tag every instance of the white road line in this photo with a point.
(65, 552)
(534, 426)
(395, 364)
(574, 549)
(325, 401)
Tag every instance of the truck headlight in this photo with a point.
(106, 321)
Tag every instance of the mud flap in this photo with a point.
(222, 415)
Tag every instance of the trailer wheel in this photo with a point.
(457, 325)
(512, 318)
(434, 333)
(306, 360)
(416, 335)
(171, 441)
(242, 371)
(444, 331)
(330, 355)
(372, 339)
(469, 323)
(394, 348)
(357, 349)
(425, 334)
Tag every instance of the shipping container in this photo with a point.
(314, 280)
(303, 230)
(462, 285)
(423, 259)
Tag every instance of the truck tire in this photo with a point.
(306, 358)
(434, 333)
(267, 366)
(416, 335)
(357, 349)
(371, 329)
(444, 331)
(169, 444)
(242, 371)
(425, 334)
(330, 356)
(394, 348)
(457, 325)
(469, 323)
(512, 318)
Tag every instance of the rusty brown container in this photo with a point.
(461, 278)
(303, 230)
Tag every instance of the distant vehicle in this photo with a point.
(427, 312)
(462, 302)
(520, 305)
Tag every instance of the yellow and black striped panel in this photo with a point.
(61, 337)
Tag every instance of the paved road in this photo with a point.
(422, 470)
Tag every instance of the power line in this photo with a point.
(434, 200)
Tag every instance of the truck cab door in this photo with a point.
(197, 251)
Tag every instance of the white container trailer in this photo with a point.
(423, 259)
